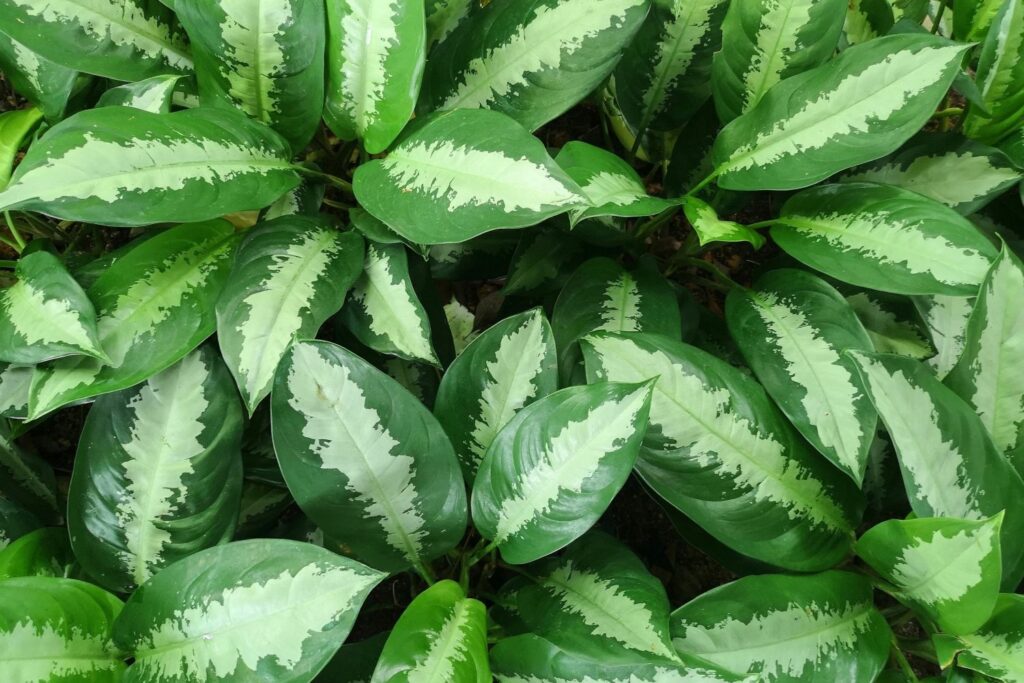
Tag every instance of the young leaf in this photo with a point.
(364, 459)
(1001, 77)
(289, 276)
(510, 365)
(792, 328)
(555, 467)
(710, 228)
(14, 385)
(123, 166)
(997, 648)
(43, 552)
(947, 569)
(45, 84)
(14, 128)
(376, 52)
(892, 324)
(27, 480)
(279, 608)
(946, 318)
(885, 238)
(440, 637)
(461, 174)
(152, 95)
(158, 472)
(305, 199)
(859, 106)
(788, 628)
(531, 59)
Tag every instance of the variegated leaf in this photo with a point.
(289, 276)
(861, 105)
(42, 552)
(510, 365)
(951, 468)
(443, 16)
(376, 53)
(239, 612)
(885, 238)
(124, 166)
(461, 322)
(265, 57)
(1000, 76)
(158, 473)
(867, 20)
(531, 59)
(45, 84)
(45, 314)
(947, 569)
(15, 381)
(27, 480)
(766, 41)
(710, 228)
(946, 318)
(56, 629)
(364, 459)
(464, 173)
(304, 199)
(125, 40)
(15, 126)
(721, 453)
(152, 94)
(554, 468)
(892, 324)
(997, 648)
(972, 20)
(788, 628)
(154, 305)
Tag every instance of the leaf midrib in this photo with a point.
(136, 29)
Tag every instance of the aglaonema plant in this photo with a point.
(428, 341)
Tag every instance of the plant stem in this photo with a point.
(702, 184)
(762, 224)
(948, 112)
(14, 232)
(8, 264)
(652, 224)
(340, 183)
(424, 571)
(897, 654)
(715, 272)
(937, 20)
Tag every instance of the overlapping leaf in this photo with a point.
(27, 481)
(14, 128)
(997, 648)
(152, 94)
(1000, 77)
(45, 84)
(710, 228)
(15, 381)
(43, 552)
(946, 318)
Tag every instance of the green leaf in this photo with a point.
(158, 473)
(542, 261)
(45, 84)
(510, 365)
(125, 40)
(767, 41)
(443, 16)
(885, 238)
(440, 637)
(153, 305)
(892, 324)
(951, 468)
(261, 508)
(43, 552)
(972, 19)
(555, 467)
(1000, 76)
(304, 199)
(123, 166)
(997, 648)
(719, 451)
(249, 610)
(461, 174)
(710, 228)
(45, 314)
(788, 628)
(27, 480)
(531, 59)
(364, 459)
(15, 521)
(792, 328)
(376, 52)
(354, 662)
(946, 569)
(857, 107)
(152, 95)
(54, 629)
(14, 385)
(15, 126)
(289, 276)
(265, 57)
(946, 318)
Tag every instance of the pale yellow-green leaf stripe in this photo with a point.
(571, 457)
(14, 384)
(605, 609)
(152, 99)
(1009, 45)
(511, 377)
(39, 319)
(946, 318)
(349, 436)
(539, 45)
(460, 322)
(888, 333)
(253, 54)
(846, 109)
(620, 308)
(657, 675)
(612, 188)
(943, 568)
(444, 17)
(1004, 656)
(676, 50)
(29, 62)
(249, 624)
(38, 653)
(813, 364)
(699, 418)
(776, 42)
(446, 648)
(368, 34)
(163, 440)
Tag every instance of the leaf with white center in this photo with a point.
(45, 314)
(962, 174)
(506, 368)
(552, 471)
(55, 629)
(265, 57)
(788, 628)
(440, 637)
(443, 16)
(15, 381)
(710, 228)
(153, 305)
(988, 374)
(269, 609)
(946, 318)
(857, 107)
(152, 95)
(464, 173)
(1000, 77)
(531, 59)
(45, 84)
(885, 238)
(15, 127)
(766, 41)
(792, 328)
(43, 552)
(124, 167)
(946, 569)
(376, 52)
(720, 452)
(951, 467)
(15, 522)
(383, 310)
(27, 480)
(892, 324)
(289, 276)
(364, 459)
(997, 648)
(158, 473)
(124, 40)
